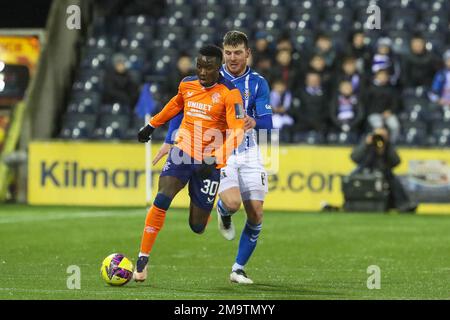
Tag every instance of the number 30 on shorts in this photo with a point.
(210, 188)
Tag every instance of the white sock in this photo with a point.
(236, 266)
(143, 255)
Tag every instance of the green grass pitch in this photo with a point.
(299, 255)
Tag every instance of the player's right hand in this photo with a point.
(165, 148)
(145, 133)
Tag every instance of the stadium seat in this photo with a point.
(95, 79)
(243, 25)
(142, 34)
(85, 86)
(400, 44)
(413, 134)
(310, 137)
(136, 58)
(139, 20)
(82, 108)
(206, 3)
(211, 12)
(273, 13)
(115, 109)
(206, 23)
(440, 134)
(78, 126)
(235, 3)
(302, 39)
(111, 126)
(96, 59)
(342, 138)
(167, 31)
(87, 98)
(100, 42)
(182, 13)
(240, 11)
(415, 103)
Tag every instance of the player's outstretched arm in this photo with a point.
(170, 110)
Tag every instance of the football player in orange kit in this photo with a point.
(211, 129)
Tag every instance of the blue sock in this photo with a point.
(222, 210)
(247, 243)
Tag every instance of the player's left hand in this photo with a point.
(207, 167)
(145, 133)
(249, 123)
(165, 148)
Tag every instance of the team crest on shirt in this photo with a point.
(246, 94)
(215, 98)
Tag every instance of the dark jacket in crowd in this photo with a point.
(341, 107)
(380, 98)
(289, 75)
(312, 113)
(419, 70)
(120, 87)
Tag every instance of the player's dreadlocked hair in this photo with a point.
(235, 38)
(211, 50)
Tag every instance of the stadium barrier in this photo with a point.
(113, 174)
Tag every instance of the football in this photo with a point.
(117, 270)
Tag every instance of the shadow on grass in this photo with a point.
(264, 290)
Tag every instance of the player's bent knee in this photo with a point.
(197, 228)
(232, 205)
(255, 217)
(162, 201)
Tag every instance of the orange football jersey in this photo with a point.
(213, 119)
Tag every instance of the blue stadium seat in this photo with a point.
(95, 79)
(342, 138)
(87, 98)
(85, 86)
(235, 3)
(273, 13)
(206, 3)
(100, 42)
(211, 12)
(82, 108)
(440, 134)
(166, 31)
(137, 59)
(238, 24)
(140, 33)
(139, 20)
(234, 11)
(122, 120)
(78, 126)
(115, 109)
(200, 31)
(182, 13)
(302, 39)
(206, 23)
(310, 137)
(413, 134)
(400, 41)
(96, 58)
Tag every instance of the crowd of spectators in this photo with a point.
(327, 89)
